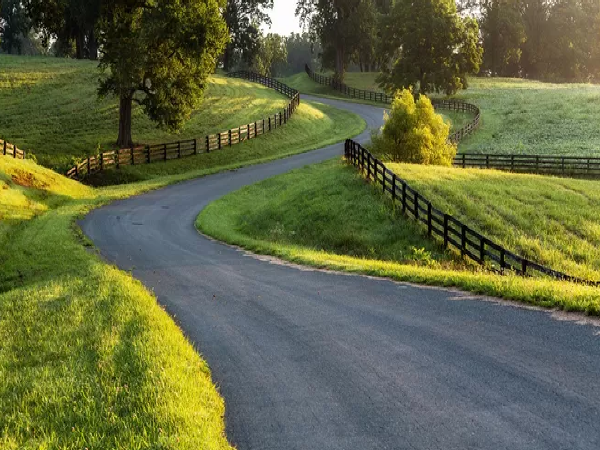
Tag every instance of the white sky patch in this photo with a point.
(284, 18)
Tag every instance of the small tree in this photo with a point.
(414, 133)
(159, 54)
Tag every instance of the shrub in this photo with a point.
(414, 133)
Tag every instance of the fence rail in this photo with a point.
(574, 166)
(449, 104)
(8, 149)
(448, 229)
(148, 154)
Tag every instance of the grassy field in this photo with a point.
(88, 358)
(518, 116)
(358, 232)
(553, 221)
(314, 125)
(364, 80)
(50, 107)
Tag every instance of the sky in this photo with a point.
(284, 18)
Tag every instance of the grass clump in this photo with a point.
(414, 133)
(358, 232)
(88, 359)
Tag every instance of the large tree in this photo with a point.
(14, 26)
(271, 56)
(244, 18)
(159, 54)
(68, 21)
(431, 48)
(503, 34)
(336, 24)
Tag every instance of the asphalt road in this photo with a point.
(314, 360)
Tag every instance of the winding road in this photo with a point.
(313, 360)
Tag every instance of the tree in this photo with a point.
(335, 23)
(300, 50)
(159, 54)
(503, 34)
(430, 46)
(414, 133)
(272, 52)
(243, 18)
(67, 21)
(14, 26)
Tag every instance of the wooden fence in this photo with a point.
(7, 149)
(572, 166)
(452, 232)
(164, 152)
(451, 105)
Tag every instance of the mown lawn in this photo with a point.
(553, 221)
(88, 359)
(357, 231)
(50, 107)
(519, 116)
(313, 125)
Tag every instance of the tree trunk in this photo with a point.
(92, 45)
(80, 45)
(125, 140)
(339, 63)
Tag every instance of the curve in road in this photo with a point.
(314, 360)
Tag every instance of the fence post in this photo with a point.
(502, 259)
(524, 267)
(4, 148)
(88, 166)
(117, 158)
(219, 140)
(394, 189)
(207, 143)
(404, 198)
(429, 220)
(445, 230)
(101, 162)
(148, 154)
(464, 160)
(416, 206)
(132, 157)
(230, 144)
(269, 123)
(179, 149)
(165, 151)
(195, 146)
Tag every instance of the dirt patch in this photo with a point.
(28, 180)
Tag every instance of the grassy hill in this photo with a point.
(50, 107)
(88, 358)
(326, 216)
(519, 116)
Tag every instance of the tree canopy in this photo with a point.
(159, 54)
(429, 47)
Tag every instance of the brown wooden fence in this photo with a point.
(449, 104)
(452, 232)
(7, 149)
(148, 154)
(571, 166)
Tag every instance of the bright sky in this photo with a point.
(283, 17)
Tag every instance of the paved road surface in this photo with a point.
(316, 361)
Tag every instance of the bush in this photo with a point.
(414, 133)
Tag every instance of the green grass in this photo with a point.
(314, 125)
(358, 232)
(50, 107)
(365, 80)
(88, 359)
(518, 116)
(553, 221)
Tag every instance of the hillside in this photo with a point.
(519, 116)
(88, 358)
(50, 107)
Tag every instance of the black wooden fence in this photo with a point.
(449, 104)
(451, 231)
(572, 166)
(164, 152)
(7, 149)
